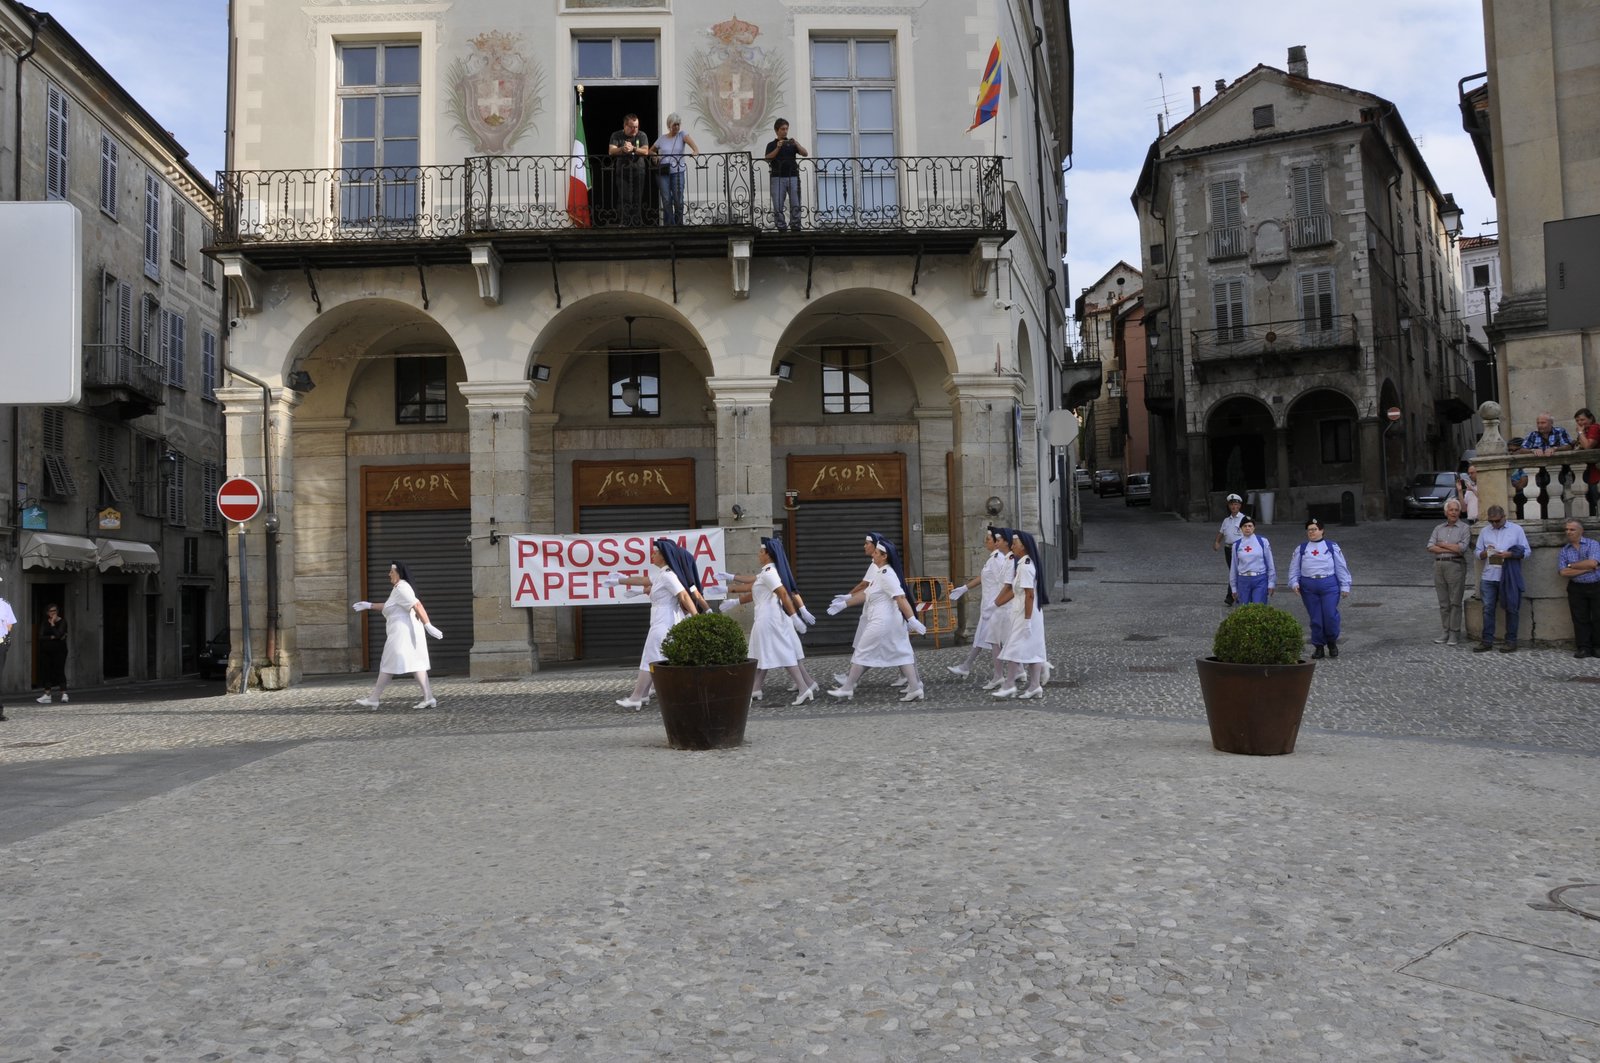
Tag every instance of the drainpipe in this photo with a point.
(35, 26)
(225, 329)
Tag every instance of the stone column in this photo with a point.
(1374, 470)
(274, 663)
(330, 630)
(744, 462)
(981, 438)
(1281, 507)
(542, 517)
(497, 421)
(931, 526)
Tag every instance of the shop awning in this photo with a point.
(128, 556)
(52, 550)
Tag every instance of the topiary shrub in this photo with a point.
(1258, 634)
(705, 639)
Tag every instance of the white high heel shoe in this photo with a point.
(912, 695)
(841, 679)
(991, 684)
(957, 669)
(756, 695)
(427, 703)
(806, 695)
(1049, 670)
(629, 703)
(1005, 692)
(899, 681)
(842, 692)
(1028, 695)
(368, 703)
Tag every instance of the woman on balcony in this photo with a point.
(668, 151)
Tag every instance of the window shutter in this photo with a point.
(1308, 198)
(1225, 207)
(108, 174)
(56, 143)
(176, 500)
(1227, 298)
(124, 313)
(180, 347)
(1316, 299)
(152, 227)
(208, 365)
(165, 344)
(180, 237)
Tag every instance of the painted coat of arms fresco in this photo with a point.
(735, 87)
(495, 93)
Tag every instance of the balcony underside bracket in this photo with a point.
(739, 259)
(811, 260)
(422, 282)
(244, 281)
(916, 270)
(555, 276)
(985, 259)
(311, 283)
(486, 262)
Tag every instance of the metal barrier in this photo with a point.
(931, 595)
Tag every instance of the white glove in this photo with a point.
(955, 595)
(799, 625)
(805, 614)
(837, 607)
(728, 605)
(610, 579)
(916, 627)
(725, 577)
(361, 607)
(431, 630)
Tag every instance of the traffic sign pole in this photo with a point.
(239, 500)
(244, 609)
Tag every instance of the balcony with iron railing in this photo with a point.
(593, 207)
(1456, 400)
(1274, 339)
(1160, 390)
(115, 374)
(1311, 230)
(1226, 241)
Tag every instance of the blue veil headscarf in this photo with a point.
(894, 559)
(780, 561)
(1039, 595)
(681, 563)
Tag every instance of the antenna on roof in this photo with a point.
(1166, 111)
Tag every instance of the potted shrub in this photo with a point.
(705, 682)
(1255, 684)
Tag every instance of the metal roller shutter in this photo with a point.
(828, 559)
(433, 544)
(612, 632)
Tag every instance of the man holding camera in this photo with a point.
(631, 149)
(782, 155)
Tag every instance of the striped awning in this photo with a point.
(52, 550)
(126, 555)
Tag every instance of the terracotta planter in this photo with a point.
(704, 707)
(1254, 709)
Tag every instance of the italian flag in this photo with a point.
(578, 180)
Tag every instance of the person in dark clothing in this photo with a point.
(53, 655)
(631, 149)
(782, 155)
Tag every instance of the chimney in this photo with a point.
(1197, 97)
(1297, 61)
(1222, 83)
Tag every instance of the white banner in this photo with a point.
(566, 569)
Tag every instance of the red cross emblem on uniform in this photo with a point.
(1314, 553)
(1248, 549)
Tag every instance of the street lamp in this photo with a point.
(1450, 216)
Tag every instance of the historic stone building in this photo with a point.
(107, 503)
(1300, 283)
(1110, 317)
(469, 319)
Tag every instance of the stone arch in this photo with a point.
(1239, 433)
(574, 344)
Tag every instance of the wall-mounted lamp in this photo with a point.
(541, 373)
(785, 370)
(300, 381)
(738, 511)
(630, 394)
(993, 506)
(1405, 321)
(494, 534)
(1450, 216)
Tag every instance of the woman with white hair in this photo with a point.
(668, 150)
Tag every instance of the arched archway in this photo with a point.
(1239, 433)
(1323, 438)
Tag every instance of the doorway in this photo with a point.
(192, 633)
(603, 109)
(115, 628)
(44, 596)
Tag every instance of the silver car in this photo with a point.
(1137, 489)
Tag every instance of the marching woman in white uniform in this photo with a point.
(669, 603)
(995, 572)
(775, 634)
(883, 641)
(1024, 644)
(405, 649)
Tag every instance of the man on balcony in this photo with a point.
(631, 149)
(782, 155)
(1547, 438)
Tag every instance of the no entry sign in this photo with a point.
(239, 500)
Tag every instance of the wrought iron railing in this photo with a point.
(543, 193)
(1227, 241)
(116, 365)
(1273, 337)
(1159, 388)
(1311, 230)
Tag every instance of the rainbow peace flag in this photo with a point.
(989, 89)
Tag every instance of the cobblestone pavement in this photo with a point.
(533, 875)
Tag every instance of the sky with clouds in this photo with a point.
(173, 59)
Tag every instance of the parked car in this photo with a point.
(1427, 492)
(1137, 489)
(1107, 482)
(213, 656)
(1082, 479)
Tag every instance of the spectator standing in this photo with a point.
(1579, 561)
(1252, 577)
(1227, 536)
(8, 620)
(1587, 438)
(1319, 575)
(53, 654)
(630, 148)
(1547, 437)
(782, 155)
(1501, 548)
(1467, 490)
(669, 150)
(1449, 544)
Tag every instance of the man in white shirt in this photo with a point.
(1501, 547)
(8, 620)
(1227, 535)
